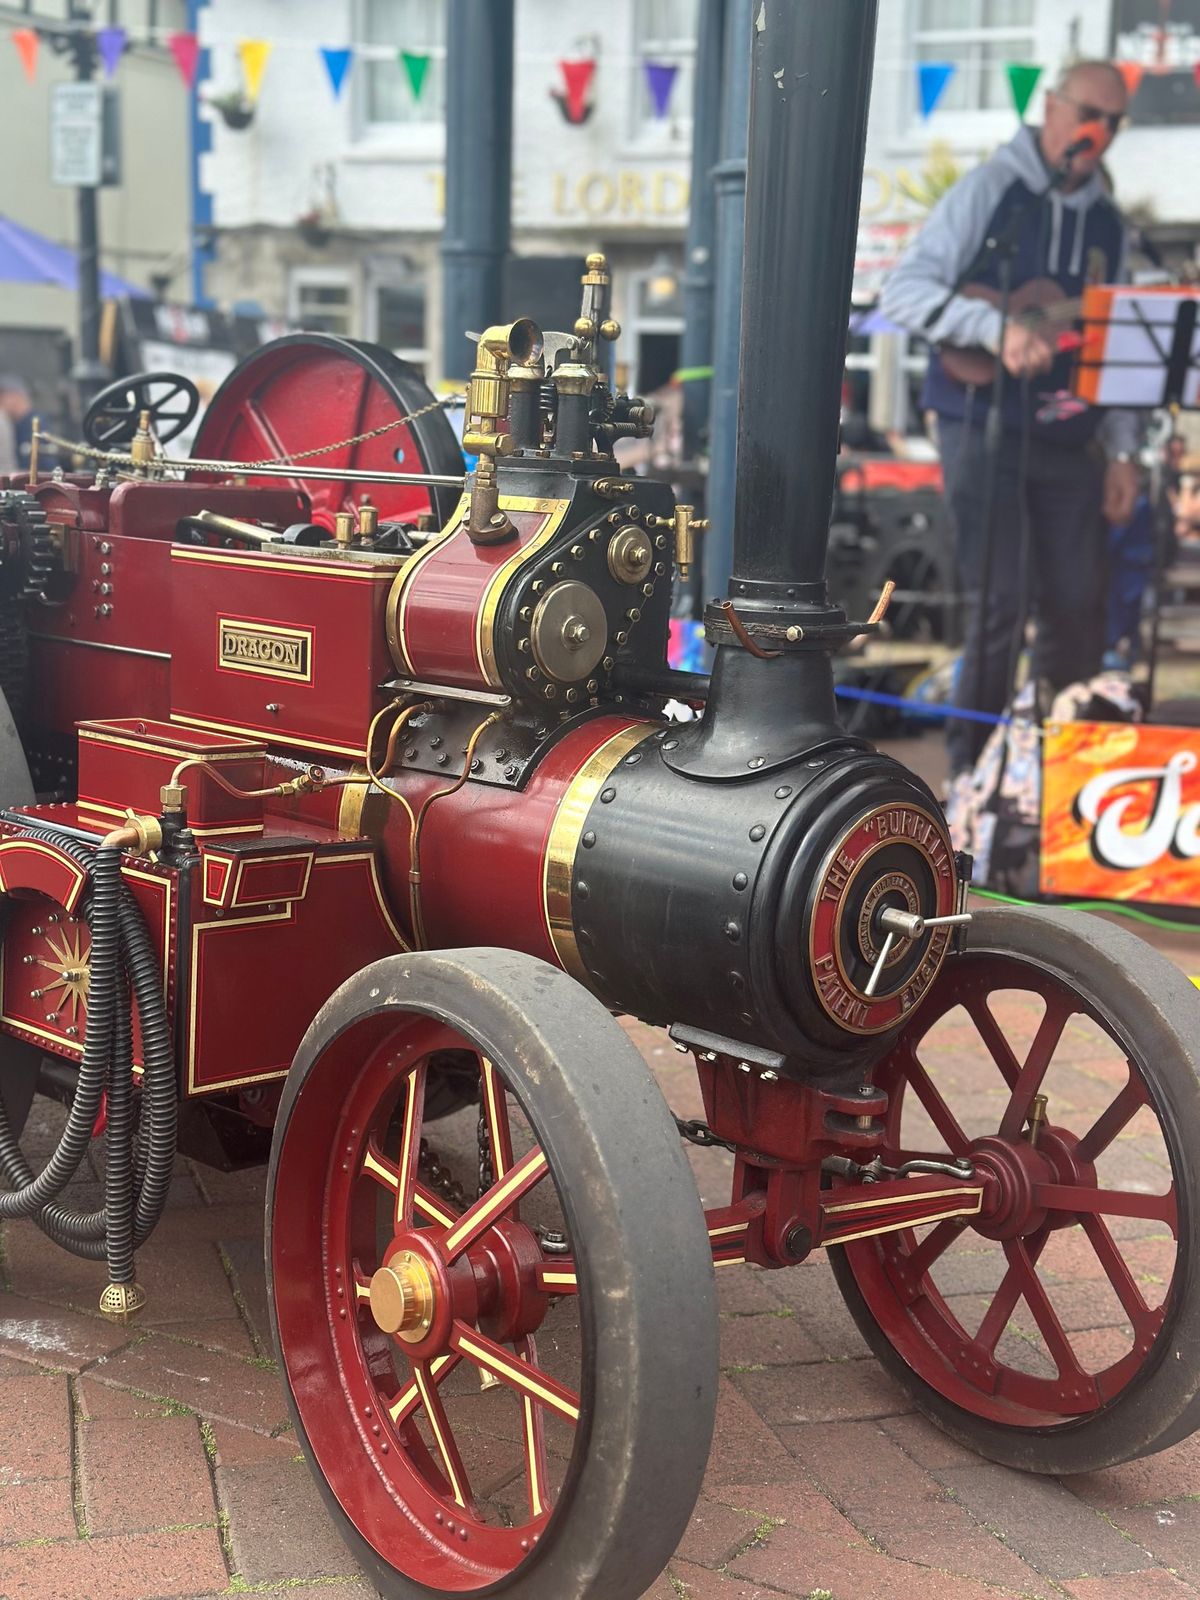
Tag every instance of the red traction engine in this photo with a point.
(356, 818)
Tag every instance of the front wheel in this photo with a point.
(1059, 1330)
(500, 1357)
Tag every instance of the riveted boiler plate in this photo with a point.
(569, 631)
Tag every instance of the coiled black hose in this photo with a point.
(122, 962)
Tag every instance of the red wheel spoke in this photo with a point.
(522, 1376)
(1004, 1302)
(1117, 1271)
(409, 1398)
(426, 1204)
(534, 1423)
(990, 1032)
(501, 1197)
(495, 1110)
(557, 1276)
(1034, 1292)
(942, 1117)
(1041, 1052)
(935, 1242)
(1111, 1121)
(410, 1145)
(443, 1435)
(1084, 1200)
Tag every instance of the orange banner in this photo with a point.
(1121, 812)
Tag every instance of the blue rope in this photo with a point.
(877, 698)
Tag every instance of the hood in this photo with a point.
(1023, 157)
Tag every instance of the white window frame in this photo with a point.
(672, 132)
(419, 140)
(325, 278)
(977, 124)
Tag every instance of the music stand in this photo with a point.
(1141, 349)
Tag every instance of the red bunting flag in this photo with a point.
(26, 41)
(1132, 72)
(185, 47)
(577, 80)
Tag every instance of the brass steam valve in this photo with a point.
(686, 524)
(144, 447)
(518, 343)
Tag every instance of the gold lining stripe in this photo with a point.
(485, 617)
(730, 1261)
(74, 870)
(278, 736)
(397, 600)
(330, 569)
(175, 752)
(911, 1222)
(563, 843)
(528, 1171)
(521, 1377)
(536, 1501)
(432, 1411)
(734, 1227)
(489, 1082)
(408, 1396)
(564, 1280)
(898, 1199)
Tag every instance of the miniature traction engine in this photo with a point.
(342, 817)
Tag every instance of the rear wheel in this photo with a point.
(510, 1391)
(1059, 1330)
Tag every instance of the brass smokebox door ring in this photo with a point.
(569, 631)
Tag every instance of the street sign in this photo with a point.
(77, 135)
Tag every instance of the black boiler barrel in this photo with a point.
(810, 92)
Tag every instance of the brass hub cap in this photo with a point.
(402, 1297)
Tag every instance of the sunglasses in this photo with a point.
(1113, 120)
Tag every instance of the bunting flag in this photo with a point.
(415, 67)
(577, 80)
(26, 41)
(253, 54)
(1132, 72)
(932, 78)
(337, 64)
(1022, 81)
(185, 47)
(110, 42)
(660, 76)
(1196, 74)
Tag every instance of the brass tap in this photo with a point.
(686, 524)
(343, 527)
(517, 342)
(144, 447)
(368, 519)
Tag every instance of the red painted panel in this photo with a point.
(125, 763)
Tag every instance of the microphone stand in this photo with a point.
(1002, 248)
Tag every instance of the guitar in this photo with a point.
(1040, 303)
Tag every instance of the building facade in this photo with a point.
(329, 210)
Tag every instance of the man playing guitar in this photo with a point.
(1043, 195)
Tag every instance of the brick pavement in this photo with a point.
(158, 1461)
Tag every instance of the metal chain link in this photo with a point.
(118, 458)
(697, 1132)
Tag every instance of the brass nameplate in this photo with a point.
(264, 650)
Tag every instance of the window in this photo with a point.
(321, 302)
(978, 36)
(386, 28)
(665, 30)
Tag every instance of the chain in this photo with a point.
(117, 458)
(698, 1132)
(439, 1178)
(487, 1173)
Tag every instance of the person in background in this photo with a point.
(1053, 478)
(16, 404)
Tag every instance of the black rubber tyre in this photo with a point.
(646, 1292)
(1152, 1013)
(20, 1064)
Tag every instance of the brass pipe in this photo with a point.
(414, 844)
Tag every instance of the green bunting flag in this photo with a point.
(416, 67)
(1022, 81)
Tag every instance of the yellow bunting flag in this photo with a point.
(254, 53)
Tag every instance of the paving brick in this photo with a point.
(42, 1509)
(766, 1341)
(207, 1381)
(797, 1501)
(45, 1334)
(830, 1391)
(35, 1428)
(926, 1443)
(701, 1584)
(797, 1562)
(1044, 1523)
(814, 1296)
(1152, 1585)
(242, 1447)
(901, 1507)
(1171, 1534)
(145, 1566)
(121, 1496)
(715, 1531)
(1169, 1475)
(278, 1525)
(245, 1257)
(744, 1291)
(744, 1448)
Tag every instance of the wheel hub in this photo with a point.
(403, 1300)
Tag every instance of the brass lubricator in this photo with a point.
(686, 525)
(517, 343)
(144, 447)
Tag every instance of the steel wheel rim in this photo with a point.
(892, 1273)
(359, 1419)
